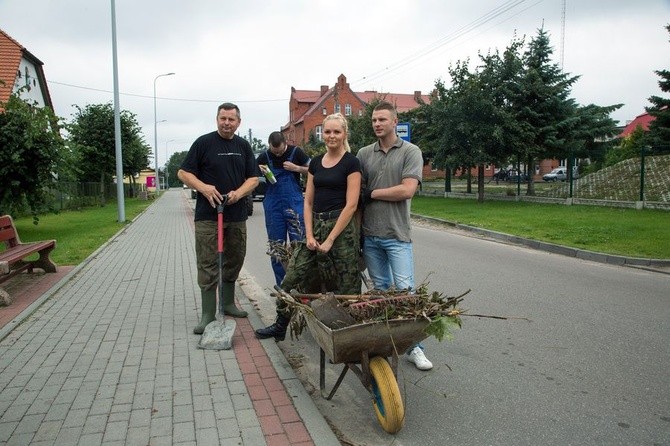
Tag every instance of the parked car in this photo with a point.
(558, 174)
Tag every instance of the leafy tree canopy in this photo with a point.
(32, 157)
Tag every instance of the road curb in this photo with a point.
(656, 265)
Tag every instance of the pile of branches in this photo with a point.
(442, 312)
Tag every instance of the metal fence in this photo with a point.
(79, 195)
(633, 183)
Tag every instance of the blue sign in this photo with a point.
(403, 130)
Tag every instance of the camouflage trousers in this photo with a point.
(335, 271)
(206, 252)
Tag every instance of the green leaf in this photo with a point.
(441, 326)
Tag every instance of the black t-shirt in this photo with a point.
(225, 163)
(299, 158)
(330, 185)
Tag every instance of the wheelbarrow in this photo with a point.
(364, 349)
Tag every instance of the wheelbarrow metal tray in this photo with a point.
(377, 338)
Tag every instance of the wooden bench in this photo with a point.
(12, 259)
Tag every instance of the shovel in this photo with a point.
(218, 334)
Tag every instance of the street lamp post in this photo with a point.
(156, 133)
(167, 172)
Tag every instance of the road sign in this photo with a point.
(403, 131)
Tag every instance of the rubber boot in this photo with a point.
(276, 330)
(229, 307)
(208, 310)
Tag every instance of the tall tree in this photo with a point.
(542, 102)
(659, 129)
(173, 165)
(32, 157)
(92, 137)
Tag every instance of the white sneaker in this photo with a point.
(417, 357)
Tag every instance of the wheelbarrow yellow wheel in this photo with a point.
(386, 396)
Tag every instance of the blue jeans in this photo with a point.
(390, 262)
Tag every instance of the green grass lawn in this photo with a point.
(78, 233)
(635, 233)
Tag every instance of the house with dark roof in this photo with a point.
(307, 108)
(22, 72)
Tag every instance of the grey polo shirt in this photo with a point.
(389, 219)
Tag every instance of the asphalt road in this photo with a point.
(590, 366)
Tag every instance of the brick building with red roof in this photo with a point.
(307, 108)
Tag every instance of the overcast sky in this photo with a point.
(252, 52)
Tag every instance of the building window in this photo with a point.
(433, 167)
(360, 113)
(337, 108)
(318, 131)
(347, 109)
(324, 112)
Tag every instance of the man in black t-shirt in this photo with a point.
(220, 164)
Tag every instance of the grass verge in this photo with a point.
(629, 232)
(78, 233)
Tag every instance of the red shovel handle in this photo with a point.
(219, 210)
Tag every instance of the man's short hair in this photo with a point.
(385, 105)
(228, 106)
(276, 139)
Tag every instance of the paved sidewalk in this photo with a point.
(107, 356)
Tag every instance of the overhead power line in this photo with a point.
(217, 101)
(449, 38)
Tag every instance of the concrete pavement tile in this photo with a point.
(161, 427)
(115, 431)
(204, 419)
(182, 397)
(247, 418)
(140, 418)
(137, 436)
(183, 432)
(123, 416)
(162, 441)
(142, 401)
(101, 406)
(253, 435)
(90, 439)
(29, 424)
(241, 402)
(182, 414)
(95, 424)
(6, 430)
(68, 435)
(237, 387)
(19, 439)
(14, 413)
(57, 412)
(208, 436)
(203, 402)
(75, 418)
(224, 410)
(161, 409)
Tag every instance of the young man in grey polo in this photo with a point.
(392, 171)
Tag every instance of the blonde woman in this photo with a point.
(328, 258)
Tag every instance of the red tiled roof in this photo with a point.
(10, 58)
(642, 120)
(403, 102)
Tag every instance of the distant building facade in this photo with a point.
(307, 108)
